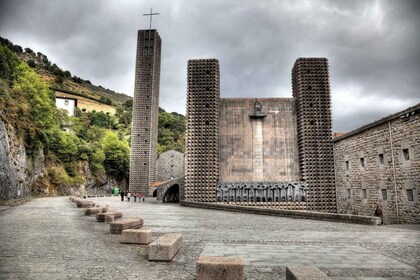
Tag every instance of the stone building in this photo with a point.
(270, 152)
(169, 165)
(145, 111)
(379, 163)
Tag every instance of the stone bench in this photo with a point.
(118, 226)
(104, 217)
(165, 247)
(304, 273)
(85, 204)
(96, 210)
(220, 268)
(136, 236)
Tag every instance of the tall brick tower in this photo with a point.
(145, 111)
(202, 140)
(311, 90)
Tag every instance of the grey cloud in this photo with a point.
(372, 46)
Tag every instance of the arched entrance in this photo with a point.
(155, 193)
(172, 194)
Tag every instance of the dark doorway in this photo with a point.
(155, 193)
(172, 194)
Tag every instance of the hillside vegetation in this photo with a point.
(28, 105)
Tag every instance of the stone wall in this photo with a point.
(169, 165)
(380, 163)
(275, 157)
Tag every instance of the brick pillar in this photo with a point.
(311, 90)
(202, 137)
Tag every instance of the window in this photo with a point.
(207, 88)
(410, 195)
(406, 154)
(207, 105)
(362, 163)
(311, 105)
(207, 122)
(309, 87)
(312, 122)
(207, 72)
(347, 166)
(308, 71)
(381, 159)
(66, 102)
(348, 193)
(384, 194)
(145, 152)
(364, 193)
(145, 163)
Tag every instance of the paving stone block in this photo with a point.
(304, 273)
(136, 236)
(165, 247)
(118, 226)
(219, 268)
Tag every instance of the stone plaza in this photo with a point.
(50, 238)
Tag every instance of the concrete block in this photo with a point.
(304, 273)
(136, 236)
(85, 204)
(165, 247)
(95, 210)
(101, 217)
(220, 268)
(118, 226)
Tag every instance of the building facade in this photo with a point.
(378, 168)
(145, 111)
(270, 152)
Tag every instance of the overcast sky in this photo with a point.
(373, 47)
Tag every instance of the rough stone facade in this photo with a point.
(380, 164)
(311, 90)
(202, 137)
(270, 151)
(240, 161)
(169, 165)
(145, 111)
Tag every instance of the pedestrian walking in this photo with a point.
(128, 196)
(135, 196)
(122, 195)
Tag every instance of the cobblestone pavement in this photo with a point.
(50, 238)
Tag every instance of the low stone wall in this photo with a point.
(334, 217)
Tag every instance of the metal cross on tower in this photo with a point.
(151, 15)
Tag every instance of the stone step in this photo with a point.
(136, 236)
(118, 226)
(220, 268)
(165, 247)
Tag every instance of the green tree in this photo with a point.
(117, 155)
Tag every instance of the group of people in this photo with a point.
(127, 195)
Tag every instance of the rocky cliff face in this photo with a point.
(22, 176)
(16, 172)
